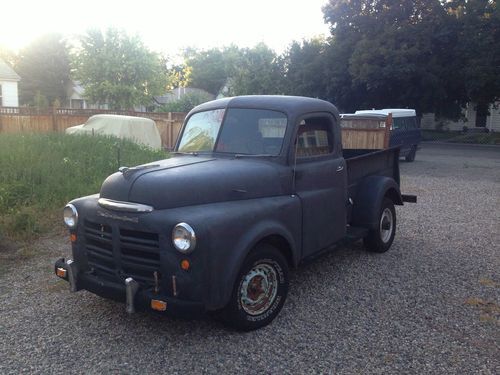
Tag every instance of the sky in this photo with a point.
(167, 26)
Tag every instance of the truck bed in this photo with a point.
(362, 163)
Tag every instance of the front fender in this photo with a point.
(252, 237)
(235, 228)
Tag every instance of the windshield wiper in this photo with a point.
(237, 156)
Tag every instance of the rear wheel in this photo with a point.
(260, 290)
(380, 239)
(411, 155)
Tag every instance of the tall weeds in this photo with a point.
(39, 173)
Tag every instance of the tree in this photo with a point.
(44, 70)
(235, 71)
(305, 66)
(118, 69)
(209, 70)
(7, 55)
(478, 24)
(394, 53)
(256, 71)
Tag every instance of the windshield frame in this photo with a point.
(221, 129)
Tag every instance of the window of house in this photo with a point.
(314, 137)
(1, 97)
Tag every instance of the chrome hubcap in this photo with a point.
(386, 225)
(258, 289)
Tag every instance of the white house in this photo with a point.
(8, 86)
(76, 99)
(474, 118)
(75, 91)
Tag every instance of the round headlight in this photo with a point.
(184, 238)
(70, 216)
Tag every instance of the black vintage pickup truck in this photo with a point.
(255, 186)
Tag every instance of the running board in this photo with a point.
(355, 233)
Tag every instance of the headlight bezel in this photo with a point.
(186, 229)
(73, 216)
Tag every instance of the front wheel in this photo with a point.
(260, 290)
(379, 240)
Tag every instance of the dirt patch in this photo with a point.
(8, 253)
(17, 252)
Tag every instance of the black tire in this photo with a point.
(379, 240)
(411, 155)
(268, 267)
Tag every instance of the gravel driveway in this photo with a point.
(429, 305)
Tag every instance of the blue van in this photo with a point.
(405, 131)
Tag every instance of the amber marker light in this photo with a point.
(72, 237)
(185, 265)
(158, 305)
(61, 272)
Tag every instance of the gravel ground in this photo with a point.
(429, 305)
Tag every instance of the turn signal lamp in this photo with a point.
(158, 305)
(72, 237)
(185, 265)
(61, 272)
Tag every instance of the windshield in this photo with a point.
(240, 131)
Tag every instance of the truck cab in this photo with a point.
(255, 186)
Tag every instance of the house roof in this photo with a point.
(396, 112)
(179, 92)
(7, 73)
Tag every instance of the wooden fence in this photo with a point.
(34, 120)
(365, 133)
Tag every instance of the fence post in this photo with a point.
(171, 131)
(54, 119)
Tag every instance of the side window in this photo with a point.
(412, 123)
(314, 137)
(397, 123)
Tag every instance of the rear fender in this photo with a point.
(368, 200)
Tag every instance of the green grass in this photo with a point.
(460, 137)
(438, 135)
(40, 173)
(478, 138)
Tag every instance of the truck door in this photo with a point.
(320, 182)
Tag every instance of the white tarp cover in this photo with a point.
(137, 129)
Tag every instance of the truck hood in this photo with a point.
(193, 180)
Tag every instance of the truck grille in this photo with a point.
(137, 254)
(99, 248)
(140, 254)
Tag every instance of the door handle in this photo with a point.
(340, 168)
